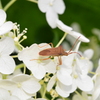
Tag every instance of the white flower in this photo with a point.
(38, 67)
(96, 90)
(5, 95)
(4, 26)
(52, 8)
(71, 74)
(23, 86)
(68, 30)
(7, 64)
(80, 73)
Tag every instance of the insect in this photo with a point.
(57, 51)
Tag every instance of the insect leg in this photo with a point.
(60, 60)
(40, 59)
(47, 45)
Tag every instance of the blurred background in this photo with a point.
(82, 15)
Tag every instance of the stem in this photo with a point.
(92, 73)
(44, 91)
(24, 69)
(14, 56)
(53, 98)
(35, 1)
(9, 4)
(61, 40)
(19, 66)
(80, 95)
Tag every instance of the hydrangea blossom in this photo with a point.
(31, 58)
(7, 64)
(71, 75)
(4, 26)
(5, 95)
(23, 86)
(96, 90)
(52, 8)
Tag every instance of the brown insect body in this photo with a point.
(58, 51)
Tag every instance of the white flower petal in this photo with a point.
(2, 16)
(76, 35)
(96, 93)
(51, 83)
(85, 83)
(59, 6)
(61, 92)
(6, 46)
(18, 92)
(7, 84)
(67, 61)
(64, 77)
(51, 17)
(67, 88)
(14, 98)
(63, 27)
(31, 86)
(4, 94)
(88, 53)
(6, 27)
(37, 69)
(20, 78)
(7, 65)
(82, 66)
(43, 46)
(50, 66)
(29, 53)
(77, 47)
(43, 5)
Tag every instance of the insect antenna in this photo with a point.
(75, 52)
(74, 44)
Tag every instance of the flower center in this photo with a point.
(51, 2)
(75, 76)
(18, 85)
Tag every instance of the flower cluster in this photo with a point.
(53, 71)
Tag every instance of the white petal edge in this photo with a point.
(2, 16)
(62, 26)
(61, 92)
(88, 53)
(51, 83)
(76, 35)
(31, 86)
(43, 5)
(6, 45)
(6, 27)
(85, 84)
(7, 65)
(59, 6)
(51, 17)
(64, 77)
